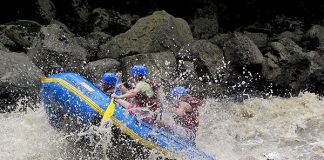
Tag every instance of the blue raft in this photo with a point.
(84, 102)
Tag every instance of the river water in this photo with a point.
(278, 128)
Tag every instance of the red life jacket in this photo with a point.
(153, 103)
(190, 120)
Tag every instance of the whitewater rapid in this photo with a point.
(284, 128)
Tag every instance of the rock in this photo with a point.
(94, 70)
(240, 51)
(155, 33)
(220, 39)
(19, 77)
(187, 76)
(109, 21)
(92, 42)
(317, 59)
(161, 65)
(56, 49)
(3, 48)
(259, 39)
(26, 30)
(315, 82)
(74, 13)
(45, 11)
(316, 34)
(204, 28)
(286, 65)
(207, 57)
(295, 36)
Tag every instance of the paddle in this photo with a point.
(111, 107)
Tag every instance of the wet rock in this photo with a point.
(109, 21)
(286, 65)
(73, 13)
(94, 70)
(317, 59)
(3, 48)
(18, 35)
(220, 39)
(207, 58)
(92, 42)
(19, 77)
(45, 11)
(242, 52)
(316, 82)
(316, 35)
(155, 33)
(56, 49)
(259, 39)
(188, 76)
(295, 36)
(161, 65)
(204, 28)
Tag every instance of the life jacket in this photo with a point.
(190, 120)
(152, 103)
(107, 90)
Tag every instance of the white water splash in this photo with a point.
(292, 128)
(255, 129)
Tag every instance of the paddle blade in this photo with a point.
(109, 111)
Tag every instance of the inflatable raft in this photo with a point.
(72, 94)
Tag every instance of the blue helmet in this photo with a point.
(109, 78)
(179, 91)
(138, 70)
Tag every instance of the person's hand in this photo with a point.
(119, 74)
(114, 95)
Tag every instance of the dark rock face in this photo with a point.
(19, 77)
(94, 70)
(286, 65)
(161, 65)
(240, 51)
(316, 35)
(316, 82)
(109, 21)
(18, 35)
(204, 28)
(74, 13)
(46, 11)
(155, 33)
(207, 58)
(259, 39)
(56, 49)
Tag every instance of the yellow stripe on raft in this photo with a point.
(95, 107)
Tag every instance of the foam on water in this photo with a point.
(286, 128)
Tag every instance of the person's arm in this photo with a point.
(122, 88)
(129, 94)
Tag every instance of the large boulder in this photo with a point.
(73, 13)
(204, 28)
(19, 77)
(316, 82)
(316, 34)
(109, 21)
(155, 33)
(45, 11)
(259, 39)
(92, 42)
(19, 35)
(241, 51)
(3, 48)
(55, 48)
(94, 70)
(207, 58)
(296, 36)
(161, 65)
(286, 65)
